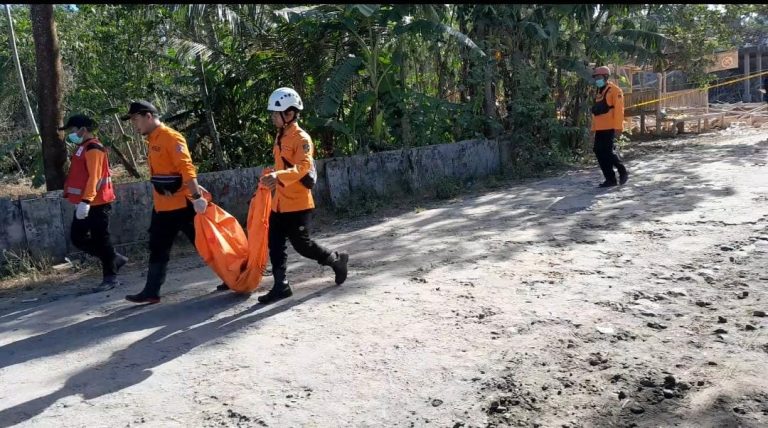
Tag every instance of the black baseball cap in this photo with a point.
(140, 106)
(78, 121)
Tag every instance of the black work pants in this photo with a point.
(164, 227)
(91, 235)
(607, 156)
(294, 227)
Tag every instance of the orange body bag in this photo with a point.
(220, 240)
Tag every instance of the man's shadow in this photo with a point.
(133, 364)
(97, 329)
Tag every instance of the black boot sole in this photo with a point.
(274, 297)
(105, 287)
(141, 299)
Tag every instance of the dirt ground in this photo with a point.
(544, 304)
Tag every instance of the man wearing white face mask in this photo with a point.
(607, 123)
(89, 187)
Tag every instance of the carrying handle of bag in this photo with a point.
(204, 193)
(267, 170)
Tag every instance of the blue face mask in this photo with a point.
(73, 137)
(600, 83)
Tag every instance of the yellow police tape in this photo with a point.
(752, 76)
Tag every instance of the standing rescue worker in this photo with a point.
(175, 194)
(292, 202)
(607, 123)
(89, 187)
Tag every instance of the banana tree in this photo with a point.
(573, 36)
(375, 34)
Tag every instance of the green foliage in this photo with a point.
(448, 188)
(373, 77)
(537, 139)
(28, 153)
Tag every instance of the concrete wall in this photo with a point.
(42, 224)
(414, 171)
(12, 234)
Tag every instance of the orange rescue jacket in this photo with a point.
(89, 177)
(614, 118)
(169, 157)
(293, 151)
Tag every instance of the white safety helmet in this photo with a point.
(284, 98)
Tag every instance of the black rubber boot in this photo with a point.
(623, 178)
(108, 283)
(280, 290)
(222, 287)
(607, 184)
(151, 291)
(338, 261)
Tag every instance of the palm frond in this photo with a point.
(336, 85)
(426, 27)
(293, 14)
(188, 50)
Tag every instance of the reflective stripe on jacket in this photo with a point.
(89, 177)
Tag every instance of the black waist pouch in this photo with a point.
(166, 184)
(601, 107)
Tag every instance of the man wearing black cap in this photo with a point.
(89, 187)
(176, 194)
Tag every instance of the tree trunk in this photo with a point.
(489, 104)
(126, 163)
(439, 71)
(132, 164)
(488, 87)
(373, 69)
(48, 64)
(405, 125)
(214, 133)
(560, 94)
(464, 53)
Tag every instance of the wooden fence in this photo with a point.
(676, 99)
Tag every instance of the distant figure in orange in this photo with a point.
(607, 123)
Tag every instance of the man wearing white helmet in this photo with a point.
(607, 123)
(292, 201)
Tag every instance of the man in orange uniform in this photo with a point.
(176, 194)
(292, 203)
(607, 123)
(89, 187)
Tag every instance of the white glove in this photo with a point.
(82, 209)
(200, 204)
